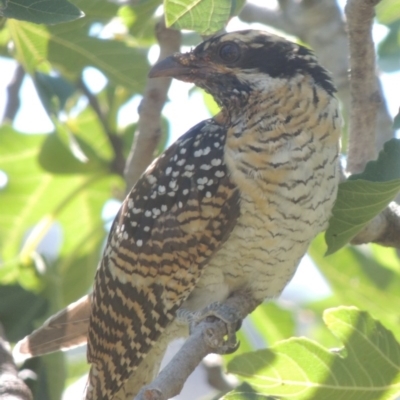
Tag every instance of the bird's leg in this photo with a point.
(231, 311)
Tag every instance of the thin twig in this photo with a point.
(11, 386)
(13, 100)
(148, 132)
(365, 96)
(118, 162)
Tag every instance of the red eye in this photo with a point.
(229, 52)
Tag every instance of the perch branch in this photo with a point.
(11, 386)
(148, 132)
(205, 338)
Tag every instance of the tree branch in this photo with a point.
(148, 132)
(11, 386)
(365, 96)
(13, 101)
(384, 229)
(274, 18)
(206, 338)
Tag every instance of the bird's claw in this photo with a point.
(226, 314)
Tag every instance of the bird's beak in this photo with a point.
(185, 67)
(171, 67)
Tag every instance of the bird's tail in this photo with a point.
(145, 372)
(64, 330)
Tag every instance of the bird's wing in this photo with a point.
(66, 329)
(177, 215)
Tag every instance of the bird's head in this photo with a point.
(231, 66)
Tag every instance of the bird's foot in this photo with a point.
(224, 312)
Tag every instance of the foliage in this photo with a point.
(366, 367)
(53, 223)
(363, 196)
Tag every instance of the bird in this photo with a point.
(220, 221)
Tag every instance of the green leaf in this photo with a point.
(358, 278)
(54, 91)
(273, 322)
(245, 392)
(83, 127)
(386, 167)
(203, 16)
(363, 196)
(56, 158)
(388, 11)
(211, 105)
(33, 195)
(42, 11)
(368, 368)
(141, 19)
(16, 316)
(98, 10)
(69, 48)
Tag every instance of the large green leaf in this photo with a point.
(273, 322)
(363, 196)
(54, 91)
(388, 11)
(246, 392)
(83, 125)
(57, 158)
(359, 279)
(203, 16)
(33, 197)
(368, 368)
(69, 48)
(84, 237)
(19, 309)
(98, 10)
(41, 12)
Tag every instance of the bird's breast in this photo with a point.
(287, 181)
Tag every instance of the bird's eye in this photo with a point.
(229, 52)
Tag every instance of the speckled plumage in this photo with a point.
(226, 213)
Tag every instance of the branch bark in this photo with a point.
(384, 229)
(11, 386)
(365, 96)
(148, 132)
(205, 339)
